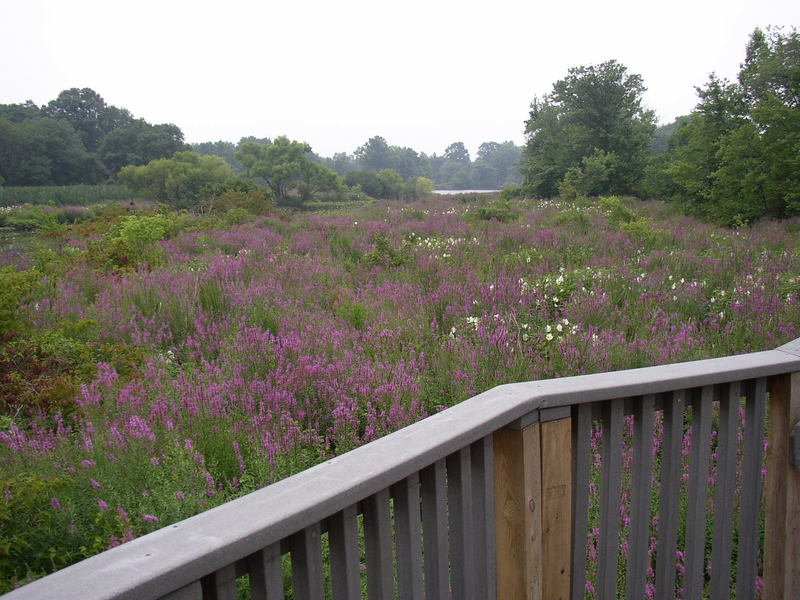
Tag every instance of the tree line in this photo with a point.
(77, 138)
(734, 159)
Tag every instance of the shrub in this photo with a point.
(499, 210)
(15, 288)
(616, 210)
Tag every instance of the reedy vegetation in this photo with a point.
(216, 359)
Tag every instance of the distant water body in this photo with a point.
(451, 192)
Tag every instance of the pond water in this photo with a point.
(451, 192)
(17, 247)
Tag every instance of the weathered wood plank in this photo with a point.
(307, 574)
(702, 408)
(220, 585)
(608, 545)
(434, 531)
(518, 515)
(378, 546)
(193, 591)
(407, 538)
(782, 534)
(483, 518)
(344, 554)
(266, 573)
(749, 513)
(668, 522)
(722, 535)
(581, 458)
(641, 476)
(556, 465)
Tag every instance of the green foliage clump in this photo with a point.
(574, 216)
(590, 178)
(28, 218)
(644, 232)
(614, 207)
(386, 254)
(15, 288)
(67, 195)
(498, 210)
(735, 160)
(43, 371)
(177, 181)
(288, 171)
(236, 194)
(132, 240)
(591, 134)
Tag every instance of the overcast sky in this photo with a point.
(334, 73)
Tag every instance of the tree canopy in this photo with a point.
(77, 138)
(593, 110)
(287, 169)
(737, 158)
(177, 181)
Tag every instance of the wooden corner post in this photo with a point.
(533, 503)
(782, 527)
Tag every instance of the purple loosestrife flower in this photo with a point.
(102, 505)
(150, 518)
(55, 503)
(95, 484)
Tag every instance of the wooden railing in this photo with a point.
(490, 499)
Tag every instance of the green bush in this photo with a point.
(499, 210)
(15, 288)
(615, 210)
(133, 241)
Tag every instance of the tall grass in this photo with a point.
(67, 195)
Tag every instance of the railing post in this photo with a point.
(518, 515)
(533, 507)
(556, 502)
(782, 527)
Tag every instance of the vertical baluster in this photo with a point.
(459, 509)
(221, 584)
(407, 528)
(750, 504)
(483, 517)
(722, 539)
(434, 523)
(697, 494)
(581, 458)
(266, 573)
(378, 546)
(344, 555)
(668, 522)
(640, 497)
(613, 413)
(307, 574)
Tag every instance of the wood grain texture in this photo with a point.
(782, 528)
(518, 518)
(556, 446)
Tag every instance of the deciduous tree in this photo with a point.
(598, 107)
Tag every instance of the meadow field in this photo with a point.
(155, 365)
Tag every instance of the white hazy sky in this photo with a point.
(334, 73)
